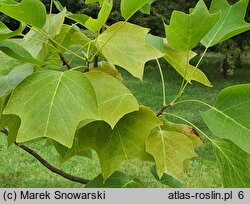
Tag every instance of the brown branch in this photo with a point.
(96, 61)
(96, 56)
(64, 61)
(163, 108)
(47, 164)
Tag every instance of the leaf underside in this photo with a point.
(235, 164)
(170, 150)
(43, 102)
(125, 141)
(229, 118)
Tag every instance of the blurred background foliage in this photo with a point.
(231, 51)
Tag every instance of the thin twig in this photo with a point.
(65, 62)
(163, 108)
(47, 164)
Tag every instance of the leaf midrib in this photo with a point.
(228, 117)
(51, 104)
(220, 27)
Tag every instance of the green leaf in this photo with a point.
(35, 43)
(13, 75)
(234, 162)
(69, 35)
(6, 33)
(180, 62)
(72, 35)
(108, 68)
(186, 30)
(51, 104)
(146, 8)
(17, 51)
(125, 40)
(125, 141)
(93, 1)
(229, 118)
(115, 100)
(170, 150)
(116, 180)
(78, 18)
(79, 38)
(130, 7)
(31, 12)
(12, 123)
(166, 179)
(58, 5)
(187, 130)
(67, 153)
(9, 122)
(91, 23)
(96, 24)
(7, 65)
(231, 22)
(54, 23)
(155, 41)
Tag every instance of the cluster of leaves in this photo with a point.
(46, 94)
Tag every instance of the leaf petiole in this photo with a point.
(163, 82)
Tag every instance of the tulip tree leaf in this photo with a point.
(64, 38)
(17, 51)
(9, 122)
(96, 24)
(156, 41)
(113, 102)
(235, 164)
(31, 12)
(79, 38)
(91, 23)
(12, 123)
(187, 130)
(66, 153)
(186, 30)
(229, 118)
(71, 35)
(180, 62)
(125, 141)
(79, 18)
(13, 75)
(54, 23)
(5, 32)
(130, 7)
(166, 179)
(146, 8)
(93, 1)
(108, 68)
(51, 104)
(116, 180)
(123, 44)
(170, 150)
(34, 43)
(231, 22)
